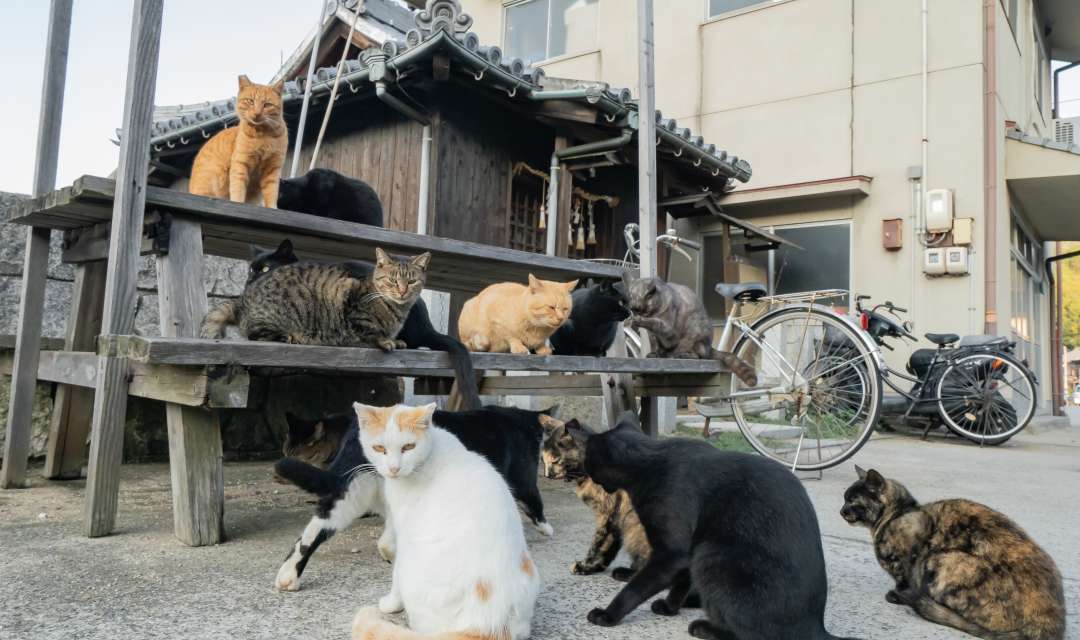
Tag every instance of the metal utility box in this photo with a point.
(939, 210)
(962, 231)
(956, 261)
(892, 234)
(934, 262)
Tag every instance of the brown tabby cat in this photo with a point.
(959, 563)
(617, 524)
(314, 442)
(326, 304)
(244, 162)
(515, 318)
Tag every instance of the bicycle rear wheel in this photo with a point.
(986, 398)
(819, 389)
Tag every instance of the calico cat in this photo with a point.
(678, 324)
(959, 563)
(329, 194)
(515, 318)
(508, 438)
(617, 524)
(462, 569)
(243, 163)
(416, 332)
(309, 303)
(738, 527)
(596, 314)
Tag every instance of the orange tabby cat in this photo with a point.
(514, 317)
(243, 162)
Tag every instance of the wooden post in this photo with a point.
(36, 260)
(70, 423)
(118, 317)
(198, 487)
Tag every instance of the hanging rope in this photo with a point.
(337, 82)
(611, 201)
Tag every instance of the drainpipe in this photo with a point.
(600, 147)
(990, 134)
(397, 105)
(425, 181)
(1057, 85)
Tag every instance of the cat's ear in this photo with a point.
(381, 257)
(534, 283)
(365, 414)
(285, 249)
(244, 82)
(549, 424)
(552, 411)
(627, 279)
(860, 472)
(278, 86)
(629, 420)
(421, 261)
(570, 285)
(875, 482)
(319, 431)
(427, 413)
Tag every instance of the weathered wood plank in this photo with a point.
(69, 425)
(182, 351)
(617, 388)
(194, 434)
(118, 316)
(36, 258)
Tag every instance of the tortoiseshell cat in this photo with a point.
(325, 304)
(678, 324)
(617, 524)
(959, 563)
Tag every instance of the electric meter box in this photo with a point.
(956, 260)
(939, 210)
(934, 262)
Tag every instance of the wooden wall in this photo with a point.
(376, 145)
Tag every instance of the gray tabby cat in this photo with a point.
(325, 304)
(678, 324)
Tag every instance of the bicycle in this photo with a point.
(974, 385)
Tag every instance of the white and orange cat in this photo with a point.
(462, 570)
(243, 163)
(515, 318)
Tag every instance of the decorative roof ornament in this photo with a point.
(443, 15)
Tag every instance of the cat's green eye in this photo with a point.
(265, 269)
(408, 447)
(379, 448)
(268, 104)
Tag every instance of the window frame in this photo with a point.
(731, 13)
(510, 4)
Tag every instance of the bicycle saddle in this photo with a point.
(743, 292)
(942, 339)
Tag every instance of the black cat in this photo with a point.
(508, 438)
(596, 316)
(417, 330)
(329, 194)
(738, 527)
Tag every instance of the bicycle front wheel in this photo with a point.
(986, 398)
(819, 389)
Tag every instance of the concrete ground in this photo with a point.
(141, 583)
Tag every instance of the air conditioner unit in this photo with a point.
(1067, 130)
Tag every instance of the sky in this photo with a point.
(205, 45)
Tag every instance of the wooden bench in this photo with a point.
(197, 378)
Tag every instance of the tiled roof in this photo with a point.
(443, 27)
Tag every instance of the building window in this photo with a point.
(824, 262)
(1014, 15)
(1026, 284)
(720, 7)
(1040, 69)
(537, 30)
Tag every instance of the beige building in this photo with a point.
(831, 101)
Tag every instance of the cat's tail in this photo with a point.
(221, 316)
(742, 370)
(461, 361)
(308, 477)
(370, 625)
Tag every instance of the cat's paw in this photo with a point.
(386, 344)
(387, 548)
(401, 344)
(653, 354)
(520, 349)
(366, 619)
(894, 597)
(545, 528)
(662, 608)
(600, 618)
(580, 568)
(544, 351)
(622, 574)
(287, 578)
(391, 603)
(703, 629)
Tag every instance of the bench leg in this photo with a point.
(106, 446)
(73, 406)
(25, 365)
(198, 485)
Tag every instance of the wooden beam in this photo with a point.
(118, 316)
(69, 425)
(198, 485)
(36, 258)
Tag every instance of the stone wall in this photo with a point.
(246, 434)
